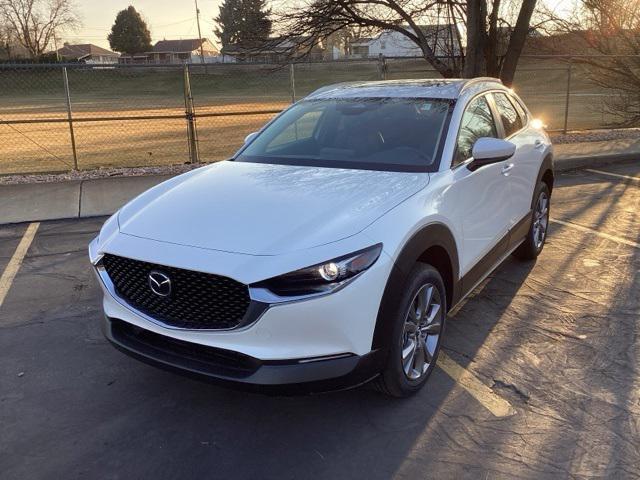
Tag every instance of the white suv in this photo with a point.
(328, 250)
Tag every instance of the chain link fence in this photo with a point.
(57, 118)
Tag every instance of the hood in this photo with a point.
(265, 209)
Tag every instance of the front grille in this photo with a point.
(197, 300)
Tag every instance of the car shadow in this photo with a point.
(346, 434)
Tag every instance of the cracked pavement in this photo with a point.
(558, 339)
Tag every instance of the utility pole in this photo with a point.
(199, 33)
(55, 45)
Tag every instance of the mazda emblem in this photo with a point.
(160, 283)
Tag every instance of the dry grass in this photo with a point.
(46, 147)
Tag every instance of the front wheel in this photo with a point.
(537, 235)
(418, 328)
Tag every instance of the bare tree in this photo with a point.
(609, 31)
(479, 21)
(35, 22)
(6, 41)
(312, 21)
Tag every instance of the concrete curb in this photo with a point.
(103, 196)
(563, 164)
(72, 199)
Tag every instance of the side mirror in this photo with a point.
(250, 137)
(490, 150)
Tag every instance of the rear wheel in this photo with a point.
(537, 235)
(418, 328)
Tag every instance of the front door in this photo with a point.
(481, 197)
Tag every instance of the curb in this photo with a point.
(564, 164)
(103, 196)
(32, 202)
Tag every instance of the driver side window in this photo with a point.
(477, 121)
(302, 129)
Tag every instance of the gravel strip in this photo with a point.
(594, 135)
(99, 173)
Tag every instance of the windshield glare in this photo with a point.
(400, 134)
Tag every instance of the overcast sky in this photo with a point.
(171, 19)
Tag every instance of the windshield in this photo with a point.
(398, 134)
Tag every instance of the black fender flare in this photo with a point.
(431, 235)
(547, 166)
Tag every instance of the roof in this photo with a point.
(362, 40)
(178, 46)
(429, 31)
(434, 28)
(83, 50)
(449, 88)
(271, 45)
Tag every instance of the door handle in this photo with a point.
(506, 169)
(538, 144)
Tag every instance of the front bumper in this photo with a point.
(295, 376)
(322, 343)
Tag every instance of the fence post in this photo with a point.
(65, 81)
(190, 115)
(566, 102)
(292, 82)
(382, 67)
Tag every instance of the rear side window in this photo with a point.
(477, 122)
(511, 119)
(520, 108)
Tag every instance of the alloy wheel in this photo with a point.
(421, 332)
(540, 220)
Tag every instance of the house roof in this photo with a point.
(436, 27)
(273, 45)
(428, 30)
(362, 40)
(84, 50)
(178, 46)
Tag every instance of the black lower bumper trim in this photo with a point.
(242, 371)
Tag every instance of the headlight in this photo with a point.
(323, 277)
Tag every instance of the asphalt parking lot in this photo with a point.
(541, 377)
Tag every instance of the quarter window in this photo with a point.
(509, 115)
(477, 122)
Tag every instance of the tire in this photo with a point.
(402, 377)
(537, 234)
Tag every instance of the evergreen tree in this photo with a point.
(129, 34)
(244, 22)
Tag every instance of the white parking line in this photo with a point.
(617, 175)
(592, 231)
(498, 406)
(16, 260)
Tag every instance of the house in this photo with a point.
(183, 51)
(277, 50)
(360, 46)
(13, 51)
(176, 51)
(444, 39)
(87, 53)
(566, 43)
(503, 37)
